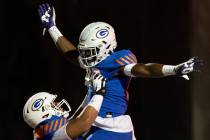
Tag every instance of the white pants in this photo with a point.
(121, 124)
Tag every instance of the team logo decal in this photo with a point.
(102, 33)
(37, 104)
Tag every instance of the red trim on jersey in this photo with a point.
(124, 60)
(51, 125)
(46, 128)
(126, 89)
(38, 133)
(130, 59)
(133, 57)
(56, 124)
(61, 122)
(119, 62)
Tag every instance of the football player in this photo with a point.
(49, 118)
(95, 52)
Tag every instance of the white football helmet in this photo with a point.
(96, 42)
(41, 107)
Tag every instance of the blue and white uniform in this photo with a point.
(111, 121)
(52, 129)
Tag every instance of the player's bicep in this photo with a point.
(72, 56)
(136, 69)
(69, 51)
(140, 70)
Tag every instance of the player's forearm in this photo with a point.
(148, 70)
(85, 120)
(64, 45)
(83, 123)
(151, 70)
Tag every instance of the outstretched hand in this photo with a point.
(192, 65)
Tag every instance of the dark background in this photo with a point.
(156, 31)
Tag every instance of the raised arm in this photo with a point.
(84, 121)
(154, 70)
(47, 15)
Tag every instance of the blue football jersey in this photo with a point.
(116, 99)
(47, 129)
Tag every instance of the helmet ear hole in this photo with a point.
(43, 110)
(104, 42)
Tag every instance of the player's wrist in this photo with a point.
(101, 92)
(48, 26)
(168, 70)
(54, 33)
(96, 102)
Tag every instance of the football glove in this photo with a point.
(193, 64)
(47, 15)
(98, 83)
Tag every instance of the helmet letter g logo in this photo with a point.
(102, 33)
(37, 104)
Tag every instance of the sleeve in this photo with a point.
(37, 135)
(126, 57)
(61, 134)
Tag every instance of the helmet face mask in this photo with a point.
(97, 41)
(61, 108)
(42, 106)
(88, 55)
